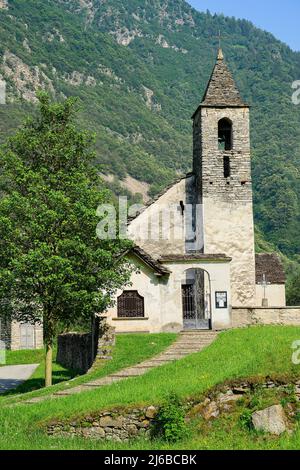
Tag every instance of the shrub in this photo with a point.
(297, 416)
(246, 419)
(169, 422)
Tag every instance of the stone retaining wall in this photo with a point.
(74, 351)
(81, 351)
(247, 316)
(124, 424)
(117, 425)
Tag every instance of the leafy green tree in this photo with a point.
(293, 290)
(53, 268)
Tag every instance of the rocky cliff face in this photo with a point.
(4, 4)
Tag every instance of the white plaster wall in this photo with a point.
(156, 231)
(229, 229)
(163, 297)
(275, 294)
(219, 273)
(148, 285)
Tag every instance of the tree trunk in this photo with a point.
(48, 364)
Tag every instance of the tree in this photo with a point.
(53, 268)
(293, 289)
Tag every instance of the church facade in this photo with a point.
(194, 248)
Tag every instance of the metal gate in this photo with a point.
(194, 314)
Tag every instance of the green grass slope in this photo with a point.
(255, 352)
(130, 349)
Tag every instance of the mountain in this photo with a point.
(140, 69)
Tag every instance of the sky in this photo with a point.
(282, 18)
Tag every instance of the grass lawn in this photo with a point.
(36, 381)
(130, 349)
(251, 352)
(25, 356)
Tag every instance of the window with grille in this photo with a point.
(131, 305)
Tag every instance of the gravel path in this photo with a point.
(12, 376)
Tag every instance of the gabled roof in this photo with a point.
(270, 265)
(157, 267)
(159, 195)
(221, 90)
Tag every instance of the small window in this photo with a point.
(130, 305)
(225, 134)
(227, 170)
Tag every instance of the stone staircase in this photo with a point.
(189, 342)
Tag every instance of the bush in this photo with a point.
(246, 419)
(169, 422)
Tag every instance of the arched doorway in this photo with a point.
(196, 300)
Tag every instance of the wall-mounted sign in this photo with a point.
(221, 300)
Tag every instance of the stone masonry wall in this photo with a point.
(105, 342)
(82, 351)
(74, 351)
(117, 425)
(248, 316)
(127, 424)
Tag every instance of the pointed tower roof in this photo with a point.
(221, 90)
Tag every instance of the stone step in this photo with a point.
(158, 362)
(32, 401)
(181, 351)
(134, 372)
(196, 338)
(177, 357)
(67, 393)
(195, 341)
(101, 382)
(191, 345)
(144, 366)
(198, 332)
(194, 345)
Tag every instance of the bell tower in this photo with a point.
(222, 168)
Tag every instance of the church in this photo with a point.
(194, 251)
(194, 257)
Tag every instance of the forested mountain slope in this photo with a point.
(140, 69)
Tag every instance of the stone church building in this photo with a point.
(194, 245)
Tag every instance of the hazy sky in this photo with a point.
(282, 18)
